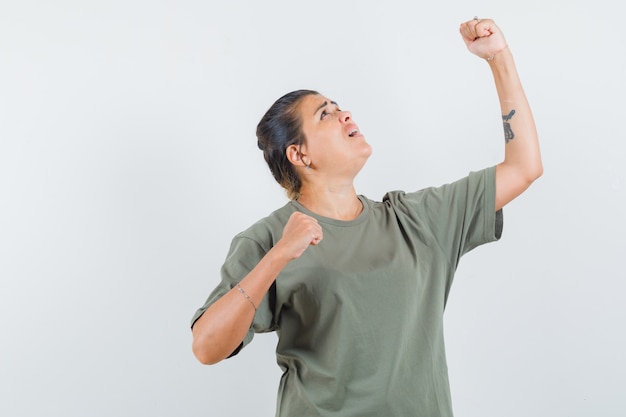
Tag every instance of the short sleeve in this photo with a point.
(460, 215)
(244, 254)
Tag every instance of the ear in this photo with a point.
(295, 155)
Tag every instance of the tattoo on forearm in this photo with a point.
(508, 132)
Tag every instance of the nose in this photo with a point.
(345, 116)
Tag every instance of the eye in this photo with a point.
(326, 113)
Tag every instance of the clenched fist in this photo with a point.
(482, 37)
(299, 233)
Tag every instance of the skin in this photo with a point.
(334, 158)
(522, 158)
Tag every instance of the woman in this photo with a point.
(355, 288)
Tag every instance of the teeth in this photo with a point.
(354, 132)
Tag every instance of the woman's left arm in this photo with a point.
(522, 157)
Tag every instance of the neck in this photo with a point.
(338, 203)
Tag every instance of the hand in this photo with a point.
(482, 37)
(299, 233)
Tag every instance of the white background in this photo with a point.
(128, 161)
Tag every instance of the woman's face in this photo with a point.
(334, 142)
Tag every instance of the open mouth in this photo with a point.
(353, 132)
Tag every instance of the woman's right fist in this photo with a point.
(299, 233)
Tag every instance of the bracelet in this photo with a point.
(492, 56)
(246, 296)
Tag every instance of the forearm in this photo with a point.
(223, 326)
(522, 158)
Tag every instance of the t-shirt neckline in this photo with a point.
(336, 222)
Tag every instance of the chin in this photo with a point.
(367, 150)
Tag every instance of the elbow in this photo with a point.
(205, 351)
(203, 355)
(205, 359)
(530, 176)
(536, 171)
(531, 171)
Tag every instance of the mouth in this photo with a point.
(353, 132)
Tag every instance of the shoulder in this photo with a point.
(434, 199)
(268, 230)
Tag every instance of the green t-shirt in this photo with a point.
(359, 317)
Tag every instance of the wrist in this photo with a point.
(491, 57)
(278, 255)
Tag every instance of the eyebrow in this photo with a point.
(324, 104)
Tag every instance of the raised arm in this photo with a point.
(522, 157)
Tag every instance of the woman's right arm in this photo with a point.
(222, 327)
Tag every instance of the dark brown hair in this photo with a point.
(279, 128)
